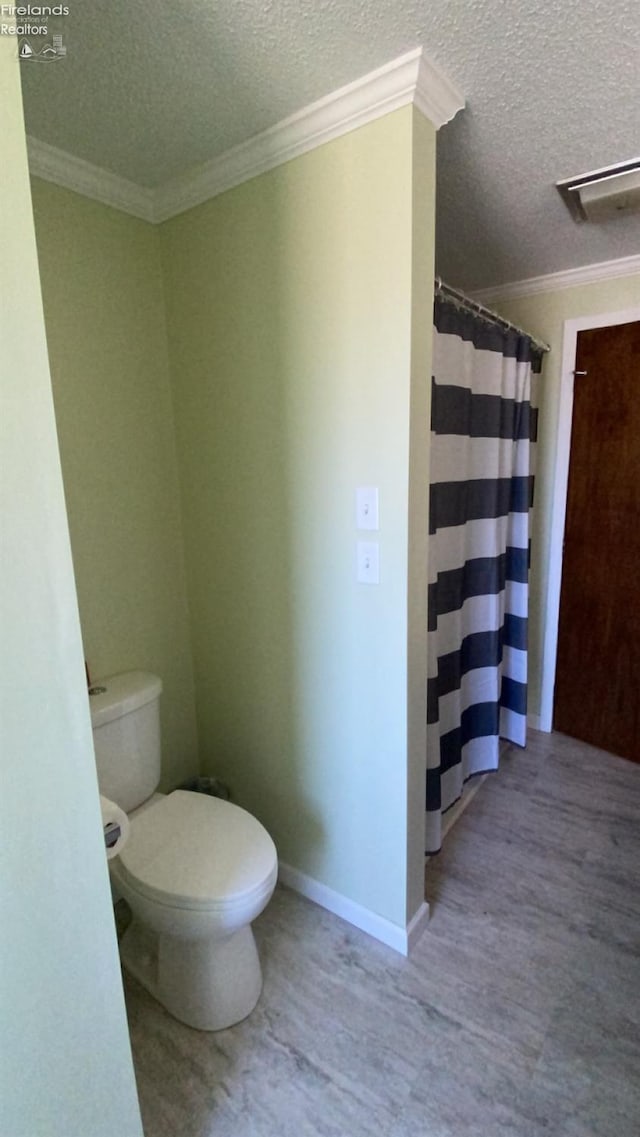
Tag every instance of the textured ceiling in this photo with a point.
(552, 86)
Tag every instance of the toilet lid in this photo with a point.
(194, 851)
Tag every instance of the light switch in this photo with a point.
(368, 562)
(367, 507)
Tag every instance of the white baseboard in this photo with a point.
(468, 793)
(400, 939)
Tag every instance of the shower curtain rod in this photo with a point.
(485, 313)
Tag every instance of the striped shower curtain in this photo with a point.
(483, 425)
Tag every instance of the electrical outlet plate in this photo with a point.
(367, 507)
(368, 562)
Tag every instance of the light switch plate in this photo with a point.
(368, 562)
(367, 507)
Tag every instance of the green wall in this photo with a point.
(277, 336)
(543, 314)
(66, 1065)
(104, 312)
(422, 268)
(289, 316)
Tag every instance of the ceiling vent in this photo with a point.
(613, 191)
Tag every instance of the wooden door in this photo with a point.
(597, 691)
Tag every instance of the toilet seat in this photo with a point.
(197, 852)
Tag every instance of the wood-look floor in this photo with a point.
(518, 1015)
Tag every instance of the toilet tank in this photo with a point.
(125, 716)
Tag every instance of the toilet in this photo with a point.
(195, 871)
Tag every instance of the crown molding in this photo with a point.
(556, 281)
(54, 165)
(410, 79)
(436, 96)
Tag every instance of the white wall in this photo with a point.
(66, 1066)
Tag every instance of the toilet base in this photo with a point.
(207, 984)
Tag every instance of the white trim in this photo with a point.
(64, 169)
(435, 96)
(559, 497)
(393, 935)
(469, 791)
(416, 926)
(556, 281)
(410, 79)
(454, 814)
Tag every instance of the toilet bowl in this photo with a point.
(195, 871)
